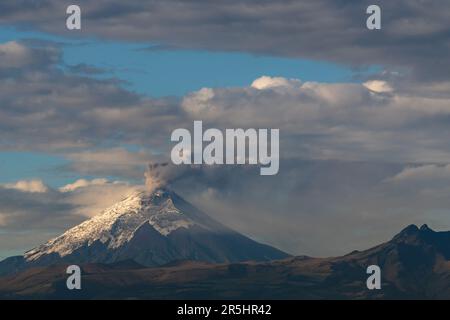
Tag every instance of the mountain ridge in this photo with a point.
(413, 266)
(157, 246)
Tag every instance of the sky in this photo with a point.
(363, 115)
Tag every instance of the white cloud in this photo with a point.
(32, 186)
(346, 121)
(378, 86)
(82, 183)
(92, 199)
(266, 82)
(198, 101)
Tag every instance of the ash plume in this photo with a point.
(155, 176)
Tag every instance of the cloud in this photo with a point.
(430, 180)
(82, 183)
(46, 108)
(347, 121)
(50, 110)
(14, 55)
(414, 33)
(198, 101)
(23, 207)
(29, 218)
(21, 210)
(428, 173)
(314, 207)
(266, 82)
(92, 199)
(33, 186)
(114, 162)
(378, 86)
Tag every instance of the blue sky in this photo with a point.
(153, 70)
(157, 71)
(162, 72)
(26, 165)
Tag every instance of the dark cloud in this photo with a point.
(415, 34)
(314, 207)
(21, 210)
(45, 107)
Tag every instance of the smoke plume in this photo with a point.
(154, 176)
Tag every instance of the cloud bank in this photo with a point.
(414, 34)
(90, 120)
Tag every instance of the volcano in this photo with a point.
(150, 229)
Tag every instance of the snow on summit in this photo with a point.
(116, 225)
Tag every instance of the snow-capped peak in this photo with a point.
(116, 225)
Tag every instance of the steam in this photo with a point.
(155, 176)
